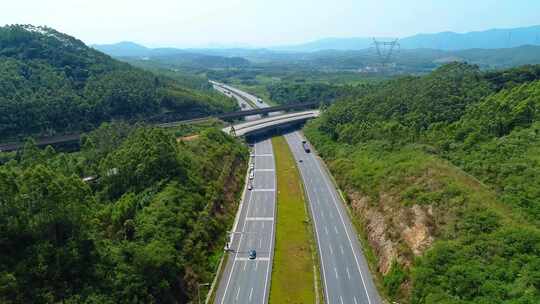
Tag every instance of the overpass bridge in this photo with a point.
(232, 116)
(281, 117)
(263, 111)
(242, 128)
(261, 125)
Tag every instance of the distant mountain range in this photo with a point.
(131, 49)
(180, 57)
(498, 48)
(448, 41)
(338, 44)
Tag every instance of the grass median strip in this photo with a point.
(292, 271)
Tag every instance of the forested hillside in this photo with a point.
(287, 93)
(148, 230)
(52, 83)
(443, 175)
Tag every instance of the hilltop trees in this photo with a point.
(52, 83)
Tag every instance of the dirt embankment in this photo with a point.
(188, 138)
(395, 232)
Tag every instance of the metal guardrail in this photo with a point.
(8, 147)
(238, 114)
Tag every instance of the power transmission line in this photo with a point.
(385, 49)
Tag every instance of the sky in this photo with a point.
(256, 23)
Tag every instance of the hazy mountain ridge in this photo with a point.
(124, 48)
(450, 41)
(497, 48)
(489, 39)
(180, 57)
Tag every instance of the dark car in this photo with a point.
(305, 145)
(252, 254)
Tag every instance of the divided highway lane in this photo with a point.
(245, 280)
(241, 102)
(345, 273)
(246, 95)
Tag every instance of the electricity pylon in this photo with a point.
(385, 49)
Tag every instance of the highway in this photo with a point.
(221, 87)
(344, 270)
(245, 280)
(224, 89)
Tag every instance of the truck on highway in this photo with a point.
(259, 100)
(305, 145)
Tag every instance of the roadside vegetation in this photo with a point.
(282, 85)
(149, 229)
(442, 172)
(293, 267)
(195, 128)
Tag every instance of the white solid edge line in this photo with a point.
(323, 272)
(344, 226)
(236, 253)
(272, 235)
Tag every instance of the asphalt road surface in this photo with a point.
(344, 270)
(345, 274)
(241, 102)
(248, 96)
(245, 280)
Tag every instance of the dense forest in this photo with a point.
(149, 229)
(442, 173)
(52, 83)
(290, 93)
